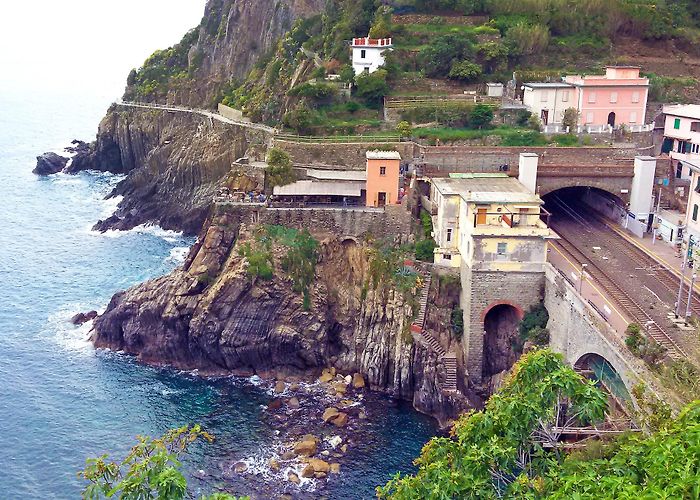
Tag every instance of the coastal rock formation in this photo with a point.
(174, 163)
(210, 315)
(49, 163)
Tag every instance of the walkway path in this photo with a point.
(449, 359)
(203, 112)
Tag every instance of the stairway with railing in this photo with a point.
(423, 335)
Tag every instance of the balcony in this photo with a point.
(506, 218)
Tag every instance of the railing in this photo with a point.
(438, 100)
(557, 128)
(511, 219)
(371, 42)
(352, 139)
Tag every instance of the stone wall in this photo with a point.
(350, 156)
(576, 329)
(393, 221)
(482, 290)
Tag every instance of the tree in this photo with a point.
(151, 470)
(299, 119)
(481, 116)
(279, 170)
(465, 71)
(300, 263)
(372, 86)
(404, 129)
(492, 452)
(438, 57)
(425, 250)
(570, 119)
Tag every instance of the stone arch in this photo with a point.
(500, 325)
(596, 366)
(612, 187)
(349, 240)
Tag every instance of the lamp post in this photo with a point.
(683, 266)
(690, 296)
(580, 282)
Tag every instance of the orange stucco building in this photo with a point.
(383, 171)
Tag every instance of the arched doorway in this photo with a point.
(611, 119)
(596, 367)
(500, 335)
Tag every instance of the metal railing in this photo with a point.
(405, 102)
(511, 219)
(348, 139)
(557, 128)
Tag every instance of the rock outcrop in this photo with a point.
(49, 163)
(174, 162)
(210, 315)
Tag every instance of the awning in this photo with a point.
(320, 188)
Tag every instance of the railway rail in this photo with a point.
(631, 308)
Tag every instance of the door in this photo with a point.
(611, 119)
(381, 199)
(480, 216)
(545, 116)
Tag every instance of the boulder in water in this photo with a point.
(49, 163)
(81, 318)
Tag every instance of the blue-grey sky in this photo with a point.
(80, 44)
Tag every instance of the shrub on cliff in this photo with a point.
(300, 264)
(425, 250)
(372, 87)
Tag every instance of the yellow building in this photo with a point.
(489, 221)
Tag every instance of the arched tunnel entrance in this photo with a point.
(596, 367)
(583, 203)
(500, 336)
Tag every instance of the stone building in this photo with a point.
(493, 228)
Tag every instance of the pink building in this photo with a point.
(619, 96)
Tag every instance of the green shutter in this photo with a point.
(695, 213)
(677, 123)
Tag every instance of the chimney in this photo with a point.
(527, 170)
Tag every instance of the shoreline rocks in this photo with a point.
(49, 163)
(81, 318)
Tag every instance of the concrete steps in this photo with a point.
(450, 362)
(427, 338)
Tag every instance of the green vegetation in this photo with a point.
(163, 68)
(279, 170)
(259, 259)
(425, 247)
(300, 264)
(669, 89)
(457, 322)
(533, 326)
(493, 453)
(651, 352)
(510, 136)
(151, 470)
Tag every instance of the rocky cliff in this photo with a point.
(174, 162)
(211, 315)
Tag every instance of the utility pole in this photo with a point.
(656, 217)
(690, 296)
(580, 281)
(683, 266)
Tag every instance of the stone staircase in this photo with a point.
(418, 328)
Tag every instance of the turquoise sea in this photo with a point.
(60, 400)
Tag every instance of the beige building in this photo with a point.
(488, 221)
(549, 100)
(692, 213)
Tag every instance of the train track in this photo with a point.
(624, 300)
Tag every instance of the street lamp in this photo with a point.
(690, 296)
(580, 282)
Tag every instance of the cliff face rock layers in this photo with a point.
(212, 316)
(174, 162)
(231, 37)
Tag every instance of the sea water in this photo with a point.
(61, 400)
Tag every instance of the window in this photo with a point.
(382, 170)
(544, 96)
(613, 97)
(695, 126)
(447, 256)
(677, 123)
(591, 97)
(363, 54)
(635, 97)
(501, 250)
(565, 96)
(589, 117)
(449, 234)
(695, 212)
(633, 117)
